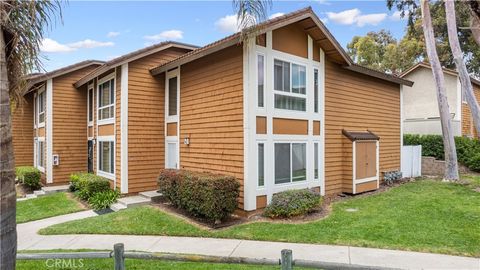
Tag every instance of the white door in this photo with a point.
(171, 155)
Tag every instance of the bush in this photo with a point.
(87, 184)
(474, 163)
(29, 175)
(103, 199)
(293, 203)
(213, 197)
(432, 146)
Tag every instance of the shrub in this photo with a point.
(432, 146)
(213, 197)
(87, 184)
(30, 176)
(474, 163)
(103, 199)
(293, 203)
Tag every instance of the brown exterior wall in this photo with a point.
(290, 39)
(357, 102)
(146, 120)
(211, 114)
(22, 132)
(261, 125)
(468, 127)
(290, 126)
(172, 129)
(69, 125)
(366, 186)
(106, 130)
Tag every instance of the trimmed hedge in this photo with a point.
(87, 184)
(468, 150)
(30, 176)
(293, 203)
(210, 196)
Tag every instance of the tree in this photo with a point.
(249, 14)
(22, 27)
(451, 168)
(381, 51)
(465, 81)
(475, 20)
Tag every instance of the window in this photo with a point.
(106, 158)
(41, 108)
(260, 79)
(90, 105)
(172, 96)
(106, 100)
(290, 84)
(315, 90)
(290, 162)
(261, 164)
(315, 160)
(40, 149)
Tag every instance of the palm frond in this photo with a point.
(249, 14)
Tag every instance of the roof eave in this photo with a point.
(53, 74)
(379, 75)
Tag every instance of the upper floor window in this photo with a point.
(106, 100)
(90, 106)
(260, 79)
(315, 90)
(290, 85)
(41, 108)
(172, 96)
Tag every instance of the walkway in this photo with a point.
(28, 239)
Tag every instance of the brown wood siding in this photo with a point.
(118, 141)
(316, 128)
(261, 201)
(211, 114)
(261, 125)
(468, 127)
(172, 129)
(367, 186)
(41, 132)
(290, 126)
(69, 125)
(346, 165)
(146, 120)
(22, 132)
(358, 102)
(290, 39)
(106, 130)
(365, 159)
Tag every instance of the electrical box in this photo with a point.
(56, 160)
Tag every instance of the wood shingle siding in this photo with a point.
(357, 102)
(22, 132)
(468, 127)
(69, 125)
(211, 114)
(146, 120)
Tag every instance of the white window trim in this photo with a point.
(37, 111)
(90, 88)
(35, 149)
(107, 175)
(172, 74)
(111, 120)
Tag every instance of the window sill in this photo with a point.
(106, 121)
(106, 175)
(41, 125)
(41, 169)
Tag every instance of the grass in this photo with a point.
(46, 206)
(472, 180)
(426, 215)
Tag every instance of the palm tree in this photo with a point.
(22, 27)
(249, 14)
(451, 168)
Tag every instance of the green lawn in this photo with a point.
(473, 180)
(425, 215)
(46, 206)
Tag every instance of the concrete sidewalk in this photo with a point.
(28, 239)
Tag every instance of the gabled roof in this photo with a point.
(311, 24)
(428, 66)
(131, 57)
(40, 77)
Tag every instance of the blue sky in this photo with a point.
(107, 29)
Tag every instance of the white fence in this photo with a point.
(411, 160)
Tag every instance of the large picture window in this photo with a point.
(290, 85)
(290, 162)
(106, 156)
(41, 100)
(106, 100)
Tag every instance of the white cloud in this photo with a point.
(52, 46)
(372, 19)
(169, 34)
(227, 24)
(113, 34)
(396, 16)
(355, 16)
(275, 15)
(323, 2)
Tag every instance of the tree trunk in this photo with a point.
(451, 168)
(8, 232)
(465, 81)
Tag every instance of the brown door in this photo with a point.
(365, 159)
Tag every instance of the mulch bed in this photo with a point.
(318, 214)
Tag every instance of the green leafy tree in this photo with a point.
(22, 27)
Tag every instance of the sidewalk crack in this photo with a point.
(235, 248)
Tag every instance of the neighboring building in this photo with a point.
(421, 115)
(288, 110)
(48, 130)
